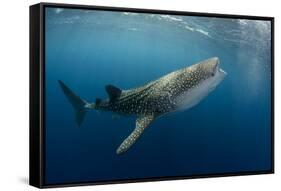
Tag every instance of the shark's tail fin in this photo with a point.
(77, 103)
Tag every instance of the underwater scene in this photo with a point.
(140, 96)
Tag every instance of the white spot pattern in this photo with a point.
(141, 124)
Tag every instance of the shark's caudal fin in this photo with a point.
(77, 103)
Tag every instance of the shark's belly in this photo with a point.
(192, 97)
(187, 100)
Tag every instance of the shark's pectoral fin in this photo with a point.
(113, 92)
(141, 124)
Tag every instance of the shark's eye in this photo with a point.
(213, 73)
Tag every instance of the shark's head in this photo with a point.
(197, 81)
(209, 74)
(210, 70)
(206, 73)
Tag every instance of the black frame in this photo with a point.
(37, 93)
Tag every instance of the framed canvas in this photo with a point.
(123, 95)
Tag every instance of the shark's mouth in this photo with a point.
(222, 71)
(218, 69)
(216, 63)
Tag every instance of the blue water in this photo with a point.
(229, 131)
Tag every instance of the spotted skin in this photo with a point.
(141, 124)
(178, 90)
(160, 96)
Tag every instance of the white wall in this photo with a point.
(14, 38)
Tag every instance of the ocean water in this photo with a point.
(228, 132)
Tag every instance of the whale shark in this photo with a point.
(176, 91)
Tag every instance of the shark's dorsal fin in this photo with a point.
(141, 124)
(113, 92)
